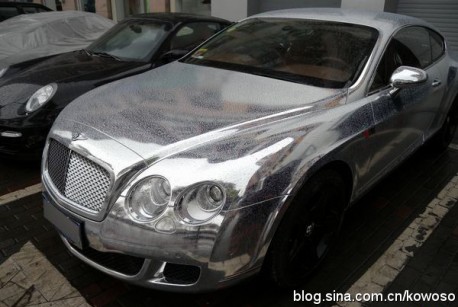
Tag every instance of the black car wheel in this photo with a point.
(308, 230)
(445, 135)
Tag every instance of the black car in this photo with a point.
(31, 99)
(11, 9)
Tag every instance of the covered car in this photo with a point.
(31, 37)
(243, 156)
(31, 99)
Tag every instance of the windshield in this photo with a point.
(321, 53)
(135, 40)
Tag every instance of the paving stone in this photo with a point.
(8, 269)
(70, 302)
(49, 282)
(13, 294)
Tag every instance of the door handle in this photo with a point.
(436, 83)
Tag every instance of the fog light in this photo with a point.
(11, 134)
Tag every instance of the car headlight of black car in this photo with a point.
(40, 97)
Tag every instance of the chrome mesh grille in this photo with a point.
(78, 178)
(57, 164)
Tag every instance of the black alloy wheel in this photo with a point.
(446, 133)
(308, 230)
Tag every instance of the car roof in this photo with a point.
(382, 21)
(176, 18)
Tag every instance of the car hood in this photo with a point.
(64, 69)
(72, 66)
(178, 106)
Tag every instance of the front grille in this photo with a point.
(124, 264)
(181, 274)
(78, 178)
(57, 164)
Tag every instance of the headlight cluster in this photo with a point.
(40, 97)
(201, 202)
(149, 198)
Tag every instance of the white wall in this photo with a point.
(118, 10)
(196, 7)
(232, 10)
(50, 3)
(238, 9)
(270, 5)
(376, 5)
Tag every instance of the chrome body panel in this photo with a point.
(258, 138)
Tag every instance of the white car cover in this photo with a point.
(31, 36)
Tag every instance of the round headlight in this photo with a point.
(40, 97)
(210, 197)
(201, 202)
(149, 198)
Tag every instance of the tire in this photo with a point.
(444, 136)
(308, 230)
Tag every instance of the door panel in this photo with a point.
(403, 117)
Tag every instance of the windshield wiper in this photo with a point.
(106, 55)
(87, 52)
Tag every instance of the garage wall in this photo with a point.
(258, 6)
(232, 10)
(194, 7)
(363, 4)
(443, 14)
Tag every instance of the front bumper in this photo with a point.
(187, 259)
(22, 143)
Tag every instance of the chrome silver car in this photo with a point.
(244, 155)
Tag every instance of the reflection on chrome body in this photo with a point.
(257, 138)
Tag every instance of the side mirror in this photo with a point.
(173, 55)
(406, 77)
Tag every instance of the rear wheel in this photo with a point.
(308, 230)
(445, 135)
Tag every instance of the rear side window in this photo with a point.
(437, 45)
(413, 45)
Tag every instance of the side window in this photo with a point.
(409, 47)
(437, 45)
(29, 9)
(192, 34)
(414, 46)
(389, 62)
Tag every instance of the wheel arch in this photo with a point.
(340, 167)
